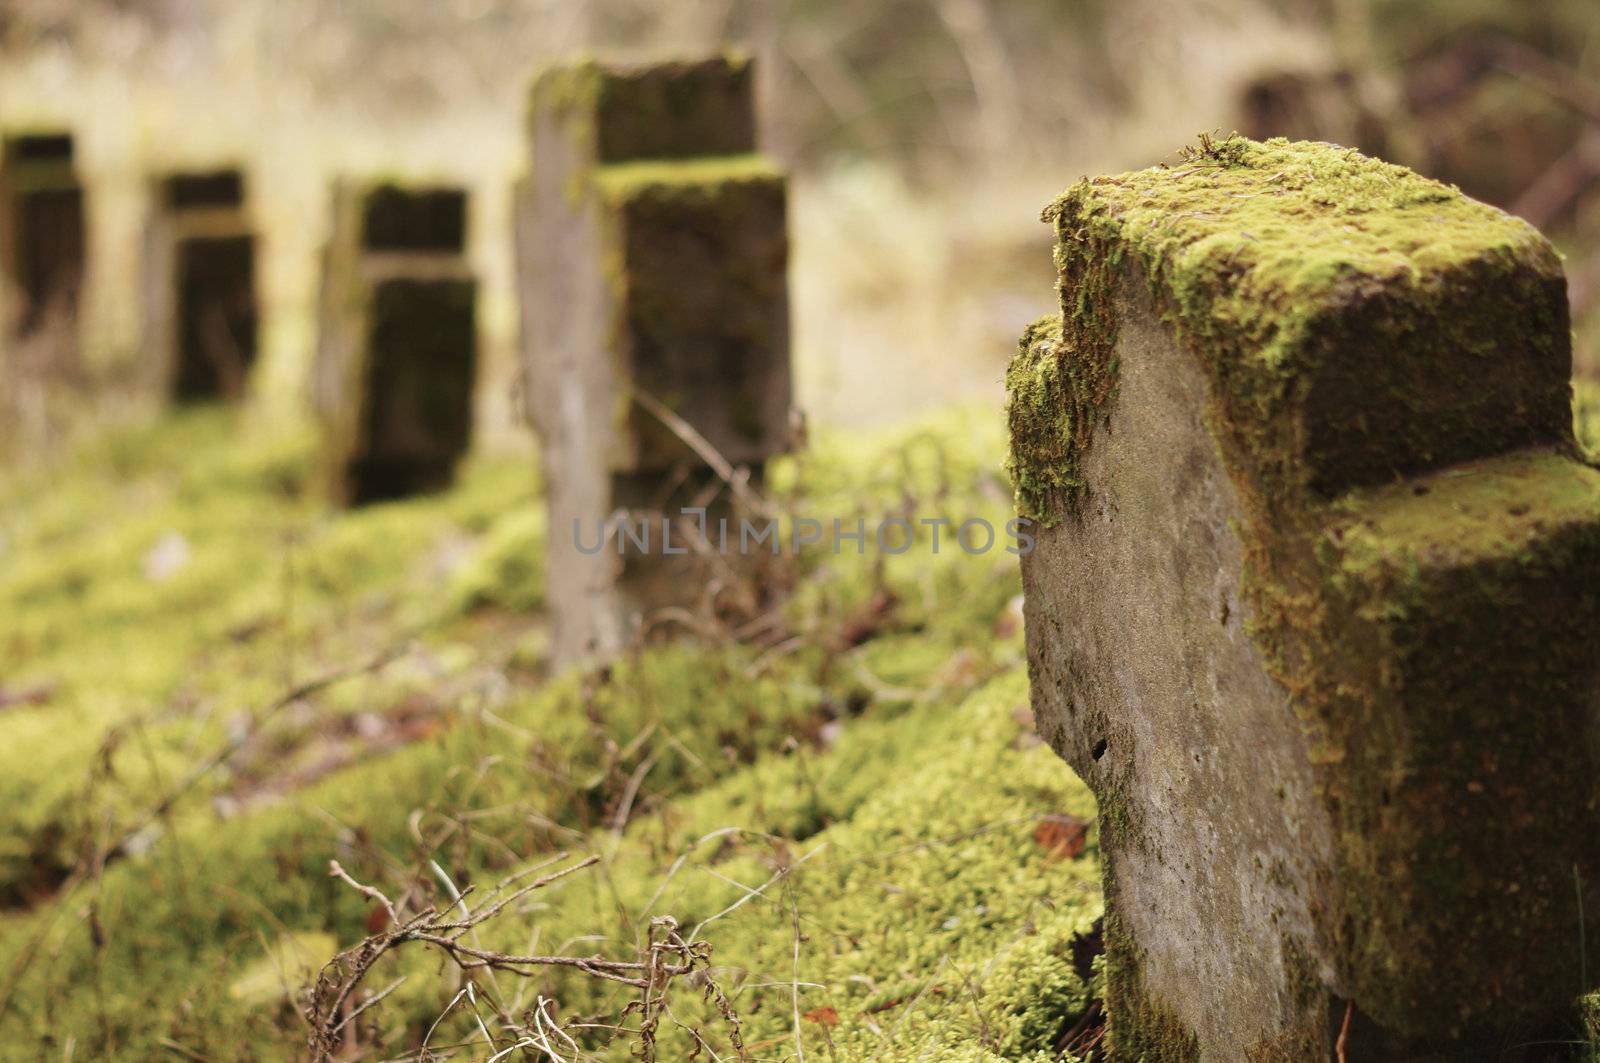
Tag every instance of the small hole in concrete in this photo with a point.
(1099, 749)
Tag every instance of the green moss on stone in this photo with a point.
(677, 109)
(573, 86)
(703, 270)
(660, 110)
(1338, 301)
(701, 177)
(1468, 515)
(1447, 692)
(1064, 373)
(1055, 393)
(1257, 239)
(1141, 1029)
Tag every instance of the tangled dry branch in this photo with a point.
(331, 1005)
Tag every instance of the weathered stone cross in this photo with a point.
(201, 316)
(1316, 606)
(42, 237)
(397, 355)
(652, 251)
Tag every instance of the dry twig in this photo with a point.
(330, 1004)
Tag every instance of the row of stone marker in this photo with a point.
(199, 296)
(652, 260)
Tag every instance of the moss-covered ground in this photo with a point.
(868, 783)
(870, 770)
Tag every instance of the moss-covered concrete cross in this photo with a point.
(397, 348)
(201, 319)
(1315, 606)
(652, 253)
(43, 243)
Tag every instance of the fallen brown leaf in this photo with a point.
(1061, 836)
(826, 1016)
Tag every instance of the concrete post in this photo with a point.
(201, 316)
(42, 242)
(653, 255)
(397, 353)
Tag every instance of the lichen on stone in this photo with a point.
(1046, 438)
(1139, 1026)
(683, 177)
(1308, 277)
(665, 109)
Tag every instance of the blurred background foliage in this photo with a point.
(922, 133)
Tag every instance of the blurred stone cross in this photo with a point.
(42, 248)
(652, 251)
(1315, 606)
(201, 317)
(398, 349)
